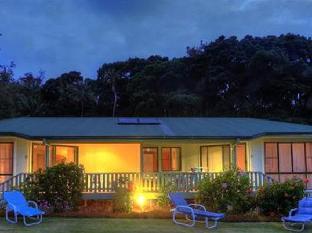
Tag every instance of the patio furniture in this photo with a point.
(16, 203)
(297, 218)
(192, 212)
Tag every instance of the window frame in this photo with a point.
(246, 157)
(32, 155)
(9, 174)
(279, 173)
(222, 146)
(170, 158)
(142, 157)
(53, 149)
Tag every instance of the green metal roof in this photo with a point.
(171, 127)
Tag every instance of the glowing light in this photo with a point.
(140, 199)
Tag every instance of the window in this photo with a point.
(57, 155)
(218, 158)
(6, 161)
(241, 161)
(38, 157)
(171, 159)
(286, 160)
(271, 159)
(64, 154)
(299, 163)
(215, 158)
(309, 156)
(150, 159)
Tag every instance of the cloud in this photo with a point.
(62, 35)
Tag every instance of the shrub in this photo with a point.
(58, 188)
(122, 201)
(163, 199)
(279, 198)
(228, 192)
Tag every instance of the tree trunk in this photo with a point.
(115, 95)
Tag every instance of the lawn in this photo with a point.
(90, 225)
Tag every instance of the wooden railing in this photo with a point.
(154, 182)
(147, 182)
(14, 182)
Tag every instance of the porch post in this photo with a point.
(233, 148)
(234, 156)
(47, 154)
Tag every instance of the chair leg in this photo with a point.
(214, 225)
(39, 217)
(287, 227)
(7, 211)
(191, 224)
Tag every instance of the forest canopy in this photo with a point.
(265, 77)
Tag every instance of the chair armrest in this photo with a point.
(292, 211)
(198, 205)
(33, 203)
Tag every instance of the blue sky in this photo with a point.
(57, 36)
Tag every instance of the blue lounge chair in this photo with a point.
(300, 216)
(16, 202)
(192, 212)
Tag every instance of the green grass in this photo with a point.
(97, 225)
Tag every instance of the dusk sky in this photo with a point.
(57, 36)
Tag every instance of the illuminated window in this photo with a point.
(241, 161)
(6, 161)
(57, 155)
(64, 154)
(150, 160)
(215, 158)
(171, 159)
(38, 157)
(284, 160)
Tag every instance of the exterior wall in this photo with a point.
(190, 150)
(21, 154)
(256, 148)
(126, 157)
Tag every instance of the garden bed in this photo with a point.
(94, 209)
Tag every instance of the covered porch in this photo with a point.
(147, 165)
(148, 156)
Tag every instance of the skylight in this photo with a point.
(137, 121)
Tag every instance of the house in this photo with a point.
(154, 150)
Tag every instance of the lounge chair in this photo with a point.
(192, 212)
(16, 203)
(297, 218)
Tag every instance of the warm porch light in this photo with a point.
(140, 200)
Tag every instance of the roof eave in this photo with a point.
(232, 137)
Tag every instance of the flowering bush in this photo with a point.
(57, 188)
(228, 192)
(279, 198)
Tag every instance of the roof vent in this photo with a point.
(137, 121)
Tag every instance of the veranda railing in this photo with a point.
(146, 182)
